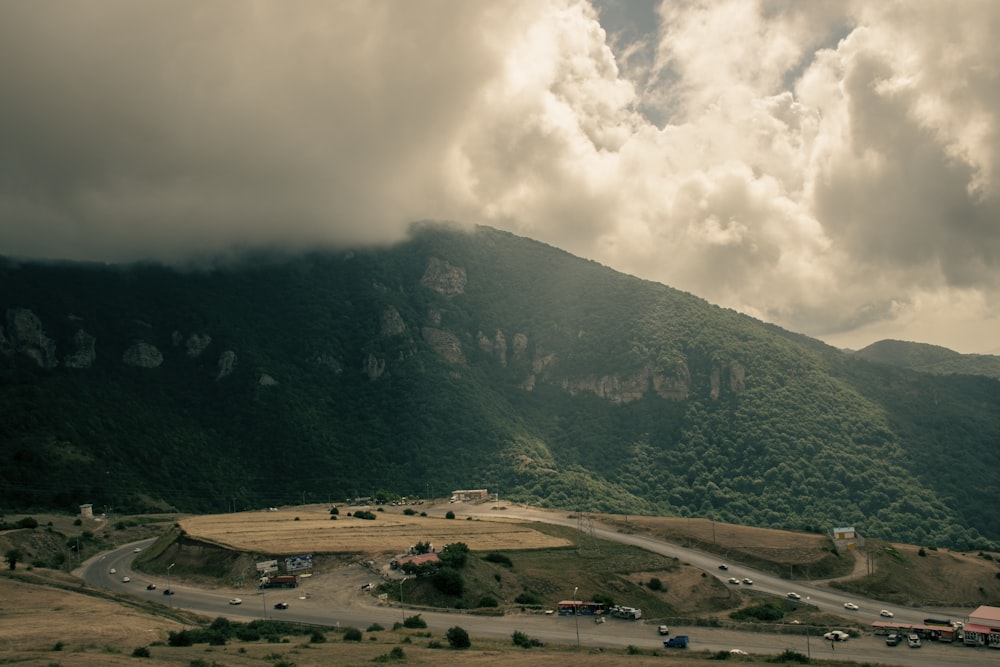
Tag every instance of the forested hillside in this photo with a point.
(930, 358)
(468, 361)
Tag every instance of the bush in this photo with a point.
(352, 635)
(792, 656)
(414, 622)
(409, 511)
(655, 584)
(524, 641)
(449, 515)
(317, 637)
(140, 652)
(494, 557)
(762, 612)
(334, 511)
(528, 597)
(488, 601)
(458, 637)
(365, 514)
(455, 555)
(374, 627)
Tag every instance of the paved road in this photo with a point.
(349, 606)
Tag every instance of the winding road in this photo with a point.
(348, 605)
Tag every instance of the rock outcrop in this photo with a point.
(391, 322)
(142, 355)
(196, 344)
(373, 367)
(445, 344)
(226, 364)
(676, 386)
(443, 278)
(26, 335)
(83, 353)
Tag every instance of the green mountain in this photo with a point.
(468, 360)
(930, 358)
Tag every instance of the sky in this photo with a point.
(828, 166)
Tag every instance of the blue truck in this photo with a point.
(680, 641)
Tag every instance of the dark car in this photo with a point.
(893, 640)
(723, 567)
(167, 591)
(680, 641)
(151, 587)
(281, 605)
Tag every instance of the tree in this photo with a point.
(458, 638)
(455, 554)
(13, 555)
(449, 581)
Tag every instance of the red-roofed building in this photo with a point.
(982, 628)
(418, 559)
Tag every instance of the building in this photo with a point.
(982, 627)
(87, 511)
(469, 495)
(418, 559)
(845, 537)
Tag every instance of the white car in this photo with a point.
(794, 596)
(136, 550)
(748, 582)
(125, 580)
(734, 580)
(851, 606)
(236, 601)
(836, 636)
(913, 641)
(737, 651)
(112, 571)
(663, 630)
(886, 613)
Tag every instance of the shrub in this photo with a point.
(334, 511)
(528, 597)
(488, 601)
(27, 522)
(458, 637)
(449, 515)
(524, 641)
(494, 557)
(58, 646)
(409, 511)
(365, 514)
(182, 638)
(792, 656)
(761, 612)
(455, 555)
(317, 637)
(374, 627)
(352, 635)
(414, 622)
(140, 652)
(655, 584)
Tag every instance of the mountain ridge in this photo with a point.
(468, 360)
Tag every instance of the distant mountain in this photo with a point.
(468, 360)
(930, 358)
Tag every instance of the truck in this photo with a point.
(631, 613)
(280, 581)
(680, 641)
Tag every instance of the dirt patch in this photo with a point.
(309, 529)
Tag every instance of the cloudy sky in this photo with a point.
(829, 166)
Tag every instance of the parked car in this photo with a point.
(680, 641)
(886, 613)
(150, 587)
(663, 630)
(851, 606)
(281, 605)
(236, 601)
(125, 580)
(836, 636)
(748, 582)
(794, 596)
(737, 651)
(734, 580)
(913, 641)
(892, 640)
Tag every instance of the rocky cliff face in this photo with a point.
(142, 355)
(83, 353)
(443, 278)
(25, 335)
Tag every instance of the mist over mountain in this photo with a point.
(468, 360)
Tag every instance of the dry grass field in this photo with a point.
(309, 529)
(47, 619)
